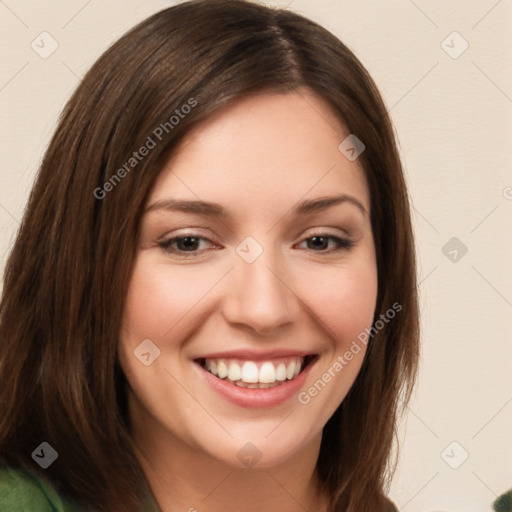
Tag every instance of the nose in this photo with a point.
(259, 295)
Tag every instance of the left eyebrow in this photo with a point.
(322, 203)
(208, 209)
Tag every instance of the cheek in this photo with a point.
(159, 299)
(356, 301)
(344, 300)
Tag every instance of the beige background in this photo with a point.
(453, 118)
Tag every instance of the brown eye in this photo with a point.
(181, 245)
(321, 242)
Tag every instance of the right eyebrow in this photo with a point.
(203, 208)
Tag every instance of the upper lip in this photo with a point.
(254, 355)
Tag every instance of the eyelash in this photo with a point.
(344, 244)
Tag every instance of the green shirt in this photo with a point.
(25, 491)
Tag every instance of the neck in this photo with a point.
(184, 478)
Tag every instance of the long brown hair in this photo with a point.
(67, 275)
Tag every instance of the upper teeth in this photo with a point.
(254, 372)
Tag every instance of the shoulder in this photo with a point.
(504, 502)
(391, 507)
(21, 490)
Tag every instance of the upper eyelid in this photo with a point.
(325, 232)
(190, 231)
(308, 216)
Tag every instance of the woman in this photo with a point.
(211, 301)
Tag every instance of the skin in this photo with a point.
(258, 157)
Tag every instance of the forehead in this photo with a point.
(263, 152)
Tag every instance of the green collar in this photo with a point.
(149, 502)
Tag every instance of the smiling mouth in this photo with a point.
(257, 374)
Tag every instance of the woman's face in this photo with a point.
(252, 292)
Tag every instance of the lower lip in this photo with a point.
(256, 398)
